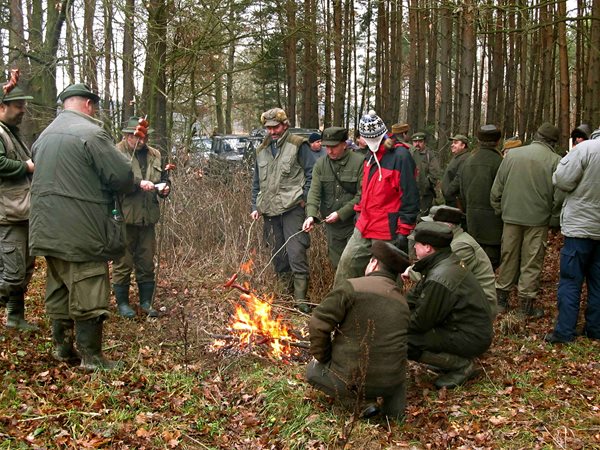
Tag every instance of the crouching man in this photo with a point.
(451, 320)
(367, 357)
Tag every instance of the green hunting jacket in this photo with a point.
(451, 181)
(368, 317)
(336, 186)
(78, 172)
(450, 305)
(477, 176)
(523, 193)
(141, 207)
(428, 168)
(15, 181)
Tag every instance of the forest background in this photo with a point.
(445, 67)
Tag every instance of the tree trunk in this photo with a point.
(466, 66)
(564, 74)
(290, 42)
(310, 105)
(90, 57)
(128, 62)
(445, 117)
(591, 112)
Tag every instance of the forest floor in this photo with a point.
(174, 392)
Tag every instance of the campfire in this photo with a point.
(254, 328)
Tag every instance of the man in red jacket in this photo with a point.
(389, 201)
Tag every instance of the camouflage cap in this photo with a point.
(274, 117)
(334, 135)
(78, 90)
(15, 94)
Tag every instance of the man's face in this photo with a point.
(133, 140)
(336, 151)
(457, 146)
(316, 146)
(422, 250)
(276, 131)
(11, 113)
(419, 144)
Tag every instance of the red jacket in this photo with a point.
(388, 206)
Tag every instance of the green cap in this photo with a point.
(461, 138)
(334, 135)
(78, 90)
(132, 123)
(419, 136)
(15, 94)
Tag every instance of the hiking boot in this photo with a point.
(502, 296)
(527, 310)
(458, 369)
(553, 338)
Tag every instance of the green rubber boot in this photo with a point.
(300, 290)
(146, 293)
(63, 337)
(15, 314)
(458, 369)
(88, 334)
(122, 295)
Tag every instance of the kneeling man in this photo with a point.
(366, 359)
(451, 320)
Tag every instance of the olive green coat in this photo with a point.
(451, 180)
(449, 307)
(141, 207)
(522, 192)
(78, 172)
(15, 182)
(369, 318)
(476, 179)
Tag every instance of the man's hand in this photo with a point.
(332, 218)
(308, 224)
(255, 215)
(146, 185)
(30, 166)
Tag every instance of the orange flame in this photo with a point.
(253, 324)
(247, 267)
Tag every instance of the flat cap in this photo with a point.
(549, 132)
(489, 133)
(15, 94)
(78, 90)
(274, 117)
(418, 136)
(334, 135)
(391, 256)
(461, 138)
(436, 234)
(400, 128)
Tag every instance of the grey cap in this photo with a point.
(461, 138)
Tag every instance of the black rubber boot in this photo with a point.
(300, 290)
(15, 313)
(63, 337)
(146, 293)
(88, 334)
(122, 295)
(502, 296)
(3, 301)
(527, 309)
(458, 369)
